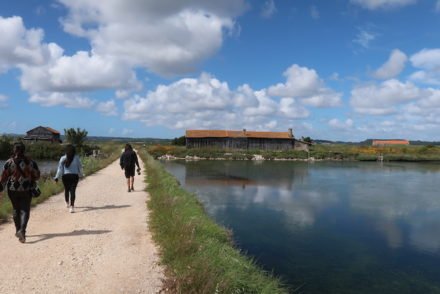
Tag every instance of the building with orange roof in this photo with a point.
(227, 139)
(41, 133)
(390, 142)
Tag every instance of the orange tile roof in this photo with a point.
(236, 134)
(390, 142)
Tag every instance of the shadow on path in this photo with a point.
(44, 237)
(89, 208)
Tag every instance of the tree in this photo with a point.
(75, 137)
(181, 141)
(307, 139)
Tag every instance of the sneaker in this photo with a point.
(129, 190)
(21, 237)
(72, 210)
(67, 205)
(132, 189)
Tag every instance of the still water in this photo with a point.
(46, 166)
(329, 227)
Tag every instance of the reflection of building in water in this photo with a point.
(245, 173)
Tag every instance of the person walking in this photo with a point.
(70, 170)
(19, 177)
(128, 163)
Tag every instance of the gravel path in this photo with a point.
(104, 247)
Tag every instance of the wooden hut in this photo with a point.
(43, 134)
(244, 140)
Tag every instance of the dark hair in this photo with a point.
(128, 147)
(18, 149)
(70, 154)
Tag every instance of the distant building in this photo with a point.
(244, 140)
(43, 134)
(390, 142)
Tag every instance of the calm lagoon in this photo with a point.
(328, 227)
(46, 166)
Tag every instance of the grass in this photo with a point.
(110, 152)
(319, 152)
(197, 253)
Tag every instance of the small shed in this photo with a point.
(243, 140)
(41, 133)
(390, 142)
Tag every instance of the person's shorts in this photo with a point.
(129, 171)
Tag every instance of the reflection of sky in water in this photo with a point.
(346, 221)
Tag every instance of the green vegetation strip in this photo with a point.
(196, 251)
(49, 187)
(317, 152)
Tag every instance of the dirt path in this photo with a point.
(104, 247)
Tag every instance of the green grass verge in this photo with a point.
(49, 187)
(197, 253)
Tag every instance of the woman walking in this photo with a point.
(128, 162)
(19, 177)
(70, 170)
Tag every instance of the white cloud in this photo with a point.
(69, 100)
(206, 102)
(338, 124)
(382, 4)
(305, 84)
(19, 45)
(364, 38)
(437, 6)
(393, 67)
(111, 131)
(314, 12)
(268, 9)
(384, 98)
(107, 108)
(80, 72)
(428, 60)
(166, 37)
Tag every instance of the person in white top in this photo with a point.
(70, 170)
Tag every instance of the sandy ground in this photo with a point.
(104, 247)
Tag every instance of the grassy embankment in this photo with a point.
(48, 187)
(198, 253)
(318, 152)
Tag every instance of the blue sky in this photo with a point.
(338, 70)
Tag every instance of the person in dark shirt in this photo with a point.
(19, 177)
(128, 163)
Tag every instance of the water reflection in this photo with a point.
(337, 227)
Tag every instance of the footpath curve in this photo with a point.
(104, 247)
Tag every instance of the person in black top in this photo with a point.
(128, 163)
(19, 177)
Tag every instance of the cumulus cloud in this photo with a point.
(382, 4)
(268, 9)
(304, 83)
(393, 67)
(206, 102)
(166, 37)
(383, 98)
(428, 61)
(108, 108)
(19, 45)
(69, 100)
